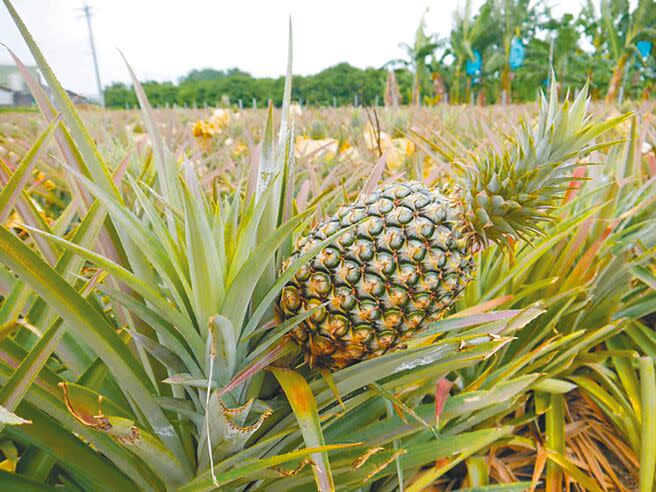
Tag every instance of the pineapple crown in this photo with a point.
(507, 194)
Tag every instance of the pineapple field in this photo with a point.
(414, 298)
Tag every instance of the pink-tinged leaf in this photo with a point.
(282, 348)
(575, 184)
(484, 307)
(581, 270)
(304, 406)
(121, 169)
(302, 197)
(651, 164)
(308, 164)
(458, 322)
(376, 174)
(442, 390)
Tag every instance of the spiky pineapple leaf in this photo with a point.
(506, 194)
(205, 483)
(9, 418)
(83, 319)
(502, 487)
(648, 426)
(16, 182)
(304, 406)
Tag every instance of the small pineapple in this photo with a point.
(410, 250)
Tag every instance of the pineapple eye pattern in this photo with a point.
(405, 263)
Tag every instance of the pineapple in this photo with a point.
(404, 262)
(404, 253)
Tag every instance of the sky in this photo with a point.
(165, 39)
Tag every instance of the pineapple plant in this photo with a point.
(126, 320)
(404, 253)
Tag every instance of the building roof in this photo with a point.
(78, 98)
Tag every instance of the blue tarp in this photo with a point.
(517, 54)
(473, 67)
(644, 48)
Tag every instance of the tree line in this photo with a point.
(339, 85)
(500, 53)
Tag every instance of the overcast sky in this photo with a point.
(165, 39)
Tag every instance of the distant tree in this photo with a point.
(392, 92)
(417, 54)
(343, 82)
(518, 19)
(467, 30)
(565, 54)
(118, 95)
(560, 49)
(624, 28)
(160, 93)
(203, 74)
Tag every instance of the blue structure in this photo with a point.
(473, 67)
(517, 53)
(644, 48)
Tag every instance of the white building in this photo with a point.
(6, 96)
(14, 90)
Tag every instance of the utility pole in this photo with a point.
(87, 13)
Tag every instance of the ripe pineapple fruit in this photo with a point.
(410, 250)
(405, 262)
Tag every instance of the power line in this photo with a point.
(87, 13)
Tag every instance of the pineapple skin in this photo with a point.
(403, 265)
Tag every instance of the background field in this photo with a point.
(568, 384)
